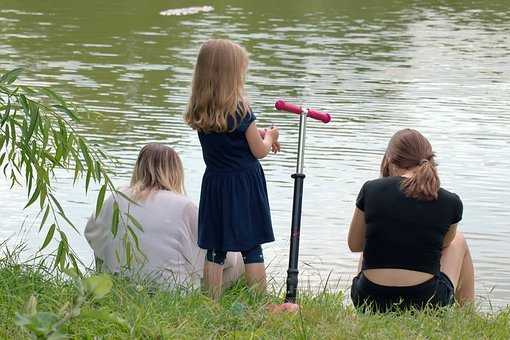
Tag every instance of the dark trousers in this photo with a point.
(367, 295)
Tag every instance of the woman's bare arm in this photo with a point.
(357, 230)
(450, 235)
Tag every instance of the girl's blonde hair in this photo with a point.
(217, 91)
(158, 167)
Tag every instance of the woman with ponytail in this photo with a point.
(405, 225)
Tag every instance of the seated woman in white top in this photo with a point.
(169, 254)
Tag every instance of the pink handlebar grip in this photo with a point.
(284, 106)
(319, 115)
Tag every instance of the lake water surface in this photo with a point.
(376, 66)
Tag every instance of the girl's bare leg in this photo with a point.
(233, 269)
(255, 274)
(213, 279)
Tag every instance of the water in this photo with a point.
(377, 66)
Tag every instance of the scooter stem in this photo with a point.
(299, 176)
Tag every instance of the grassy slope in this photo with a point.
(133, 311)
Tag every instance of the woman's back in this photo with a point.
(168, 240)
(397, 224)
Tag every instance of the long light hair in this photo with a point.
(217, 90)
(158, 167)
(409, 149)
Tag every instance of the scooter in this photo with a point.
(299, 176)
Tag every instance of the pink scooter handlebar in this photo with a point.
(318, 115)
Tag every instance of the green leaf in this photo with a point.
(13, 131)
(42, 196)
(59, 152)
(34, 117)
(135, 238)
(24, 129)
(49, 237)
(6, 114)
(98, 171)
(72, 273)
(29, 178)
(126, 197)
(5, 169)
(63, 130)
(77, 172)
(45, 217)
(62, 251)
(129, 256)
(24, 103)
(56, 202)
(11, 76)
(76, 268)
(85, 152)
(135, 222)
(115, 219)
(52, 159)
(44, 128)
(34, 197)
(41, 324)
(63, 236)
(7, 134)
(98, 285)
(87, 180)
(100, 199)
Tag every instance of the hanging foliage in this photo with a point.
(38, 137)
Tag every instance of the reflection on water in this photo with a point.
(187, 10)
(377, 66)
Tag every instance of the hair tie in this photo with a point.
(423, 161)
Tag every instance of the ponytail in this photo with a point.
(409, 149)
(424, 184)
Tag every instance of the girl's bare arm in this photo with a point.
(259, 146)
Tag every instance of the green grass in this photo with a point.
(132, 311)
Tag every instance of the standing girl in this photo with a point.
(234, 210)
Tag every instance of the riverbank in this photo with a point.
(133, 311)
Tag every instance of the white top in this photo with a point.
(168, 240)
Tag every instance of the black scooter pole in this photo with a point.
(299, 176)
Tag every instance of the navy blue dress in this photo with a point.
(234, 210)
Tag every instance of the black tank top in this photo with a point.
(403, 232)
